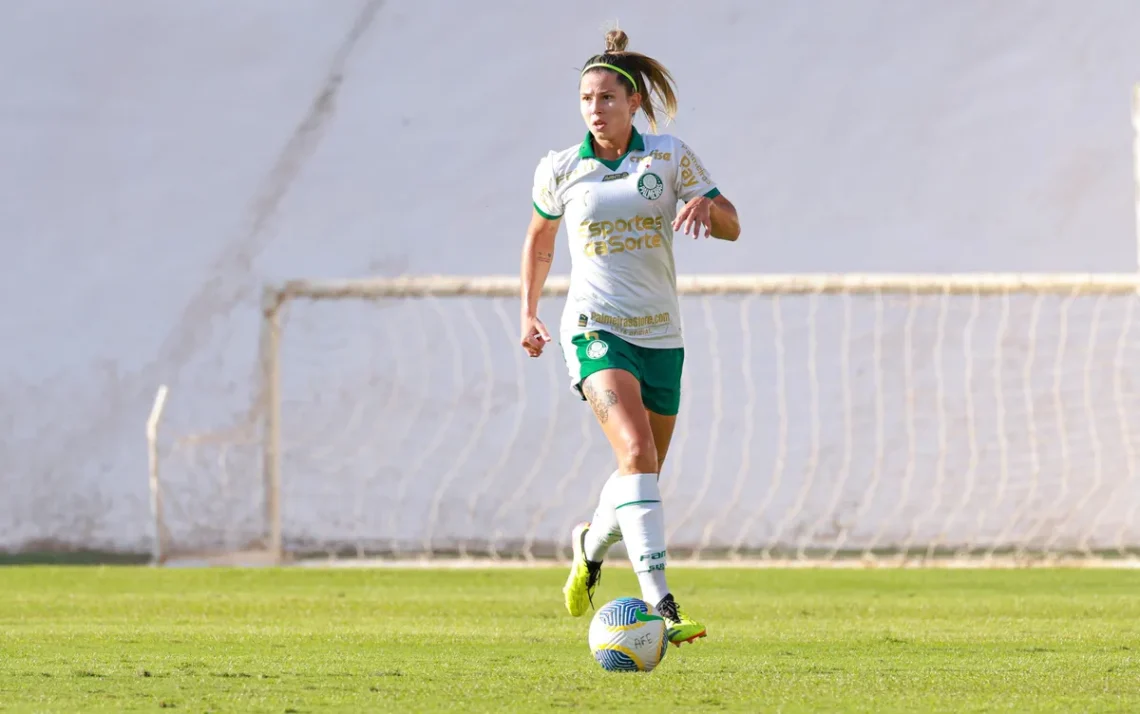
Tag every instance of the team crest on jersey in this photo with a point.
(597, 349)
(650, 186)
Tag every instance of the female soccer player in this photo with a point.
(621, 331)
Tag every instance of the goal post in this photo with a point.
(826, 418)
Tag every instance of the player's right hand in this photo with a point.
(534, 335)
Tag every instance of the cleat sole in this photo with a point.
(690, 640)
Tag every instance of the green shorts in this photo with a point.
(658, 370)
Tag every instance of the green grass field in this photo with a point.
(303, 640)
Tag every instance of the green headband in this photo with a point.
(619, 70)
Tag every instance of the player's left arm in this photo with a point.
(706, 209)
(716, 216)
(723, 221)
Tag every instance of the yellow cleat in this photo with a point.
(584, 577)
(681, 627)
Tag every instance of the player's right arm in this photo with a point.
(538, 253)
(537, 257)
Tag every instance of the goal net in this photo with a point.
(825, 418)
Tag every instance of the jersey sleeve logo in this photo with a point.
(650, 186)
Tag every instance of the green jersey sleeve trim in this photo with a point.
(713, 193)
(544, 214)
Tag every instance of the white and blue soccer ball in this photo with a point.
(627, 636)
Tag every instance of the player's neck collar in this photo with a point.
(586, 150)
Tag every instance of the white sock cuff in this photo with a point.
(605, 498)
(634, 488)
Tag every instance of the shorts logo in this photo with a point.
(582, 320)
(650, 186)
(597, 349)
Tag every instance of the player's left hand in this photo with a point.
(694, 216)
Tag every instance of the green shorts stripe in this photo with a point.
(658, 370)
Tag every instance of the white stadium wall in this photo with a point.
(160, 165)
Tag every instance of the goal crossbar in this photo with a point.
(728, 284)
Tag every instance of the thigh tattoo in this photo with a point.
(601, 403)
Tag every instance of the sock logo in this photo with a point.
(652, 566)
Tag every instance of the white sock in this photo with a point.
(637, 503)
(604, 529)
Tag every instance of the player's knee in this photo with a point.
(639, 455)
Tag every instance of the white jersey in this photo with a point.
(619, 216)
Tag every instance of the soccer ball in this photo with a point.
(627, 636)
